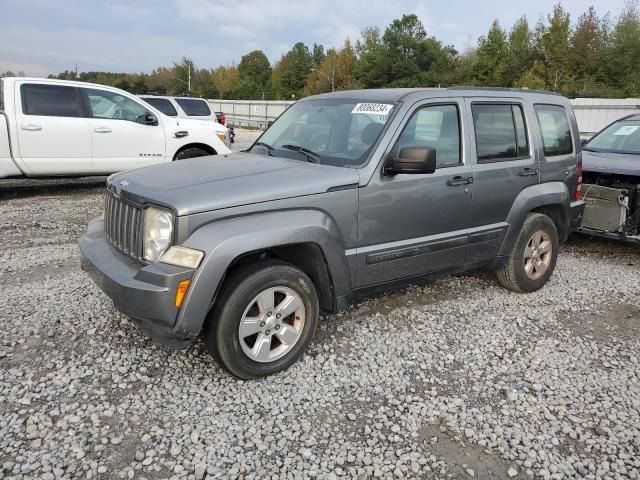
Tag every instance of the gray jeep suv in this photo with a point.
(344, 194)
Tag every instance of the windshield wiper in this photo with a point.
(312, 156)
(265, 145)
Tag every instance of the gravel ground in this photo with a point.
(455, 379)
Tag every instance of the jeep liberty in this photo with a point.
(344, 194)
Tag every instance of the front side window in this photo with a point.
(111, 105)
(500, 132)
(339, 132)
(556, 133)
(621, 137)
(437, 127)
(50, 100)
(162, 104)
(193, 107)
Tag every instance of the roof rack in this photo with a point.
(505, 89)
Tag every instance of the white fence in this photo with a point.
(592, 114)
(250, 113)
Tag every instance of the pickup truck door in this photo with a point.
(413, 224)
(121, 138)
(505, 164)
(53, 137)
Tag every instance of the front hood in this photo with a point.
(613, 163)
(210, 183)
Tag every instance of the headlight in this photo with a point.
(158, 230)
(182, 257)
(222, 137)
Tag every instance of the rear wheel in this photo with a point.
(263, 320)
(533, 257)
(191, 153)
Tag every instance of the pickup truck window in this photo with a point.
(339, 132)
(162, 104)
(193, 107)
(110, 105)
(50, 100)
(556, 134)
(500, 132)
(435, 126)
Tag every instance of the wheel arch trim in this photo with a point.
(226, 240)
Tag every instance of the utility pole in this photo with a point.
(333, 75)
(189, 78)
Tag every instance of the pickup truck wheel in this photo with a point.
(263, 319)
(190, 153)
(533, 257)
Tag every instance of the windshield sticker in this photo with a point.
(627, 130)
(382, 109)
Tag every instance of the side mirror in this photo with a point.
(413, 159)
(150, 119)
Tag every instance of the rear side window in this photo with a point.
(50, 100)
(556, 133)
(194, 108)
(501, 132)
(162, 104)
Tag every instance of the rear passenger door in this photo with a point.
(505, 164)
(53, 136)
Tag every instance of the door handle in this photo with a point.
(31, 127)
(458, 180)
(528, 172)
(102, 130)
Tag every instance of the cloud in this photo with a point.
(121, 35)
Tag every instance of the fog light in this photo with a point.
(181, 292)
(182, 257)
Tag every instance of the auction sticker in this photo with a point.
(373, 108)
(627, 130)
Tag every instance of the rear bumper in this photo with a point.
(146, 293)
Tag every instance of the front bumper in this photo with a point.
(576, 214)
(146, 293)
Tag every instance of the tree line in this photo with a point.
(595, 56)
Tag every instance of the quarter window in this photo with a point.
(556, 133)
(434, 126)
(501, 132)
(194, 108)
(50, 100)
(111, 105)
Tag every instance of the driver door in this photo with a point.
(120, 140)
(413, 224)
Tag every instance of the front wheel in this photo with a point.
(263, 320)
(533, 257)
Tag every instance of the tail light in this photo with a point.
(222, 119)
(577, 195)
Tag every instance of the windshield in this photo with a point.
(335, 132)
(163, 105)
(621, 137)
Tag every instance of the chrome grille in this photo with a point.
(123, 225)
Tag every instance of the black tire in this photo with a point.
(191, 152)
(221, 331)
(513, 275)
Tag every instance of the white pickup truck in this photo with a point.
(66, 128)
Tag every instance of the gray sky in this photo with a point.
(49, 36)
